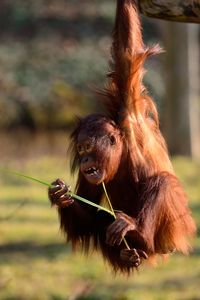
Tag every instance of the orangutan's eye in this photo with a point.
(88, 147)
(112, 140)
(80, 149)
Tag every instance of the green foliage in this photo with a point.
(52, 54)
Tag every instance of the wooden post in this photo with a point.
(182, 103)
(194, 88)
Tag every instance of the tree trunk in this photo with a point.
(171, 10)
(182, 105)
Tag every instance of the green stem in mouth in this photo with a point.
(112, 210)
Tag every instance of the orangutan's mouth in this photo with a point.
(93, 174)
(92, 171)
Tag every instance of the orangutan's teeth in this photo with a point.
(92, 171)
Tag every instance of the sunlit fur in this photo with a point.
(143, 184)
(107, 156)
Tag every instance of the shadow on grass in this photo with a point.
(195, 252)
(31, 250)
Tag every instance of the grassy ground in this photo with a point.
(36, 264)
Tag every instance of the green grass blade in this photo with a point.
(90, 203)
(25, 176)
(113, 212)
(50, 185)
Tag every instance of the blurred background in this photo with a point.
(53, 55)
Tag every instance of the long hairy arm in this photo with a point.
(128, 53)
(165, 220)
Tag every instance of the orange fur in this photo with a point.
(140, 179)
